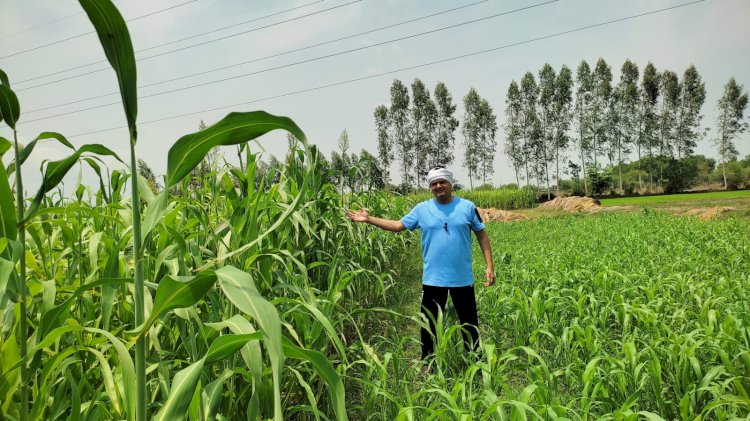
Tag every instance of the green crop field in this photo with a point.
(618, 316)
(672, 198)
(230, 294)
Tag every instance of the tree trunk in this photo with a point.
(557, 168)
(583, 167)
(640, 182)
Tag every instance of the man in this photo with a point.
(446, 223)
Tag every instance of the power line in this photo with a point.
(178, 49)
(91, 32)
(23, 31)
(301, 61)
(269, 56)
(330, 85)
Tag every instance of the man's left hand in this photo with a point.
(489, 274)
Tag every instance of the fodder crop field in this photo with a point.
(674, 198)
(614, 316)
(620, 313)
(238, 295)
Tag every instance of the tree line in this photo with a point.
(418, 132)
(556, 123)
(601, 123)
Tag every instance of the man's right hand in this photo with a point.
(358, 216)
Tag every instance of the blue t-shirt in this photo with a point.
(446, 240)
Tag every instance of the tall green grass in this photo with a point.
(671, 198)
(506, 198)
(616, 316)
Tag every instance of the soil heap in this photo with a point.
(573, 204)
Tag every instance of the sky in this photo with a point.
(55, 63)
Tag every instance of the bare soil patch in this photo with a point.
(499, 215)
(709, 213)
(573, 204)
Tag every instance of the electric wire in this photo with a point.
(91, 32)
(49, 22)
(389, 72)
(301, 61)
(265, 57)
(175, 50)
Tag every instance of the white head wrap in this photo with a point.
(439, 173)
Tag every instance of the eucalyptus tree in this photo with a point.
(400, 133)
(602, 85)
(472, 134)
(431, 130)
(628, 113)
(692, 96)
(422, 122)
(647, 119)
(563, 115)
(729, 123)
(513, 129)
(582, 112)
(530, 127)
(487, 143)
(385, 142)
(445, 127)
(546, 111)
(669, 87)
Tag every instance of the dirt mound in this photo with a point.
(492, 215)
(572, 204)
(709, 213)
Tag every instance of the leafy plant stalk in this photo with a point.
(140, 345)
(23, 326)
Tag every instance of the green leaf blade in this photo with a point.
(115, 40)
(236, 128)
(10, 109)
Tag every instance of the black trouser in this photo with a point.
(466, 306)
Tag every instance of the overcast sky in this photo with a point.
(714, 35)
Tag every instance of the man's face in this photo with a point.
(441, 189)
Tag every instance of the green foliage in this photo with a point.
(10, 110)
(679, 175)
(115, 40)
(667, 198)
(233, 129)
(504, 198)
(599, 181)
(735, 175)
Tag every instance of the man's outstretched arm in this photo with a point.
(387, 224)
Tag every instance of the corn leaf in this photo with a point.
(227, 345)
(115, 39)
(181, 393)
(10, 109)
(26, 150)
(8, 223)
(55, 171)
(325, 371)
(175, 293)
(234, 129)
(240, 288)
